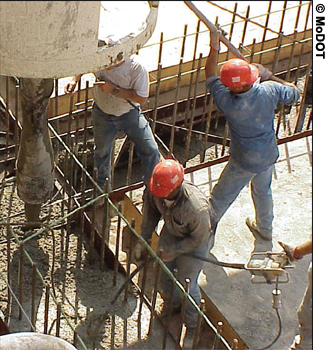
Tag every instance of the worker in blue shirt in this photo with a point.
(247, 98)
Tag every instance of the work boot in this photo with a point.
(252, 225)
(175, 309)
(189, 339)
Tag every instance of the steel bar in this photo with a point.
(33, 297)
(155, 292)
(117, 246)
(184, 301)
(198, 325)
(20, 279)
(46, 309)
(167, 323)
(58, 319)
(188, 101)
(265, 29)
(245, 26)
(190, 125)
(129, 259)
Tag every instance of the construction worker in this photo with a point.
(303, 341)
(188, 229)
(118, 93)
(247, 98)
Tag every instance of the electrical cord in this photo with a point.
(278, 335)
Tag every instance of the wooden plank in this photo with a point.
(169, 74)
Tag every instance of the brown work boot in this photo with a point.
(165, 310)
(252, 225)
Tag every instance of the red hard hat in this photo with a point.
(236, 72)
(167, 175)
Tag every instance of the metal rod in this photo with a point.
(198, 325)
(20, 278)
(46, 309)
(33, 301)
(170, 307)
(129, 259)
(117, 246)
(58, 319)
(155, 292)
(188, 138)
(187, 290)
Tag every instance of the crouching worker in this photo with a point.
(188, 229)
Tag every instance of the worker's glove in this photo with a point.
(215, 39)
(289, 250)
(139, 252)
(264, 73)
(70, 87)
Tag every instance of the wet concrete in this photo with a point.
(248, 306)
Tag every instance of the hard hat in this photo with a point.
(167, 175)
(236, 72)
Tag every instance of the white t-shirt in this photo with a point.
(130, 75)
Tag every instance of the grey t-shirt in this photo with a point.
(130, 75)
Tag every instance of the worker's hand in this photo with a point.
(265, 73)
(289, 250)
(138, 252)
(106, 86)
(70, 87)
(215, 40)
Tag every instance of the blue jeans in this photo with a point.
(232, 180)
(136, 127)
(186, 267)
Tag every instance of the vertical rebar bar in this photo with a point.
(265, 30)
(104, 236)
(246, 20)
(170, 307)
(8, 267)
(58, 319)
(46, 309)
(20, 278)
(129, 259)
(142, 293)
(117, 246)
(33, 297)
(198, 325)
(155, 292)
(184, 301)
(190, 126)
(188, 102)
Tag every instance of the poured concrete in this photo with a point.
(247, 306)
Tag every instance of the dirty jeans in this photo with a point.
(186, 267)
(232, 180)
(136, 127)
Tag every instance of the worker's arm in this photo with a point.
(126, 94)
(298, 252)
(303, 249)
(211, 64)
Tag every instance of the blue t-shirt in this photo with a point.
(251, 120)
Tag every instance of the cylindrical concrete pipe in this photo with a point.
(35, 161)
(35, 341)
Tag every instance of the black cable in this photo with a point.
(278, 335)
